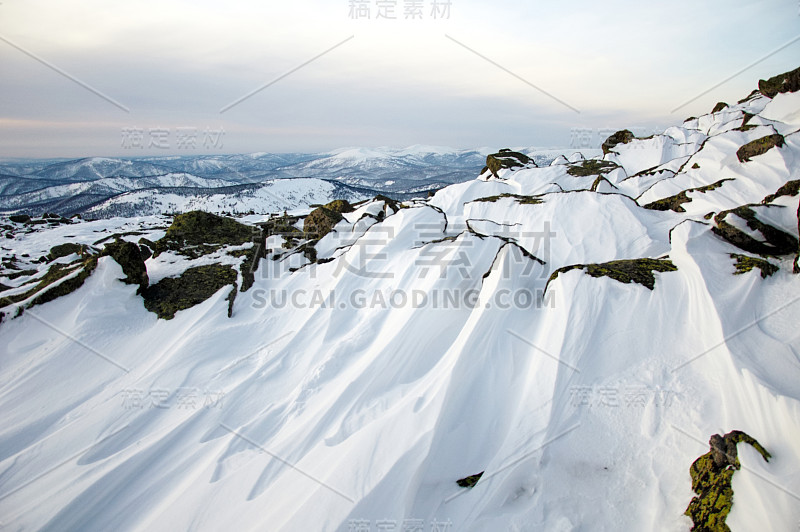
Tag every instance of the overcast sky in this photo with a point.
(93, 77)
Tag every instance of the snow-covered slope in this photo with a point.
(271, 196)
(483, 330)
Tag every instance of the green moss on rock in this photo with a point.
(759, 147)
(620, 137)
(712, 476)
(523, 200)
(197, 233)
(63, 250)
(506, 158)
(777, 242)
(786, 82)
(129, 256)
(791, 188)
(470, 481)
(591, 167)
(320, 222)
(625, 271)
(745, 263)
(673, 203)
(194, 286)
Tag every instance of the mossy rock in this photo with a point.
(191, 288)
(673, 203)
(68, 286)
(63, 250)
(129, 256)
(786, 82)
(790, 188)
(625, 271)
(778, 243)
(340, 206)
(470, 481)
(620, 137)
(198, 233)
(746, 263)
(20, 218)
(281, 225)
(759, 147)
(46, 292)
(712, 477)
(392, 203)
(320, 222)
(506, 158)
(521, 199)
(719, 107)
(591, 167)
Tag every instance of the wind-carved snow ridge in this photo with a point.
(544, 347)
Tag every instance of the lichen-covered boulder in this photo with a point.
(506, 158)
(197, 233)
(620, 137)
(339, 205)
(786, 82)
(68, 248)
(320, 222)
(129, 256)
(712, 477)
(719, 107)
(759, 147)
(194, 286)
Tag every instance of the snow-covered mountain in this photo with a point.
(271, 196)
(79, 186)
(538, 348)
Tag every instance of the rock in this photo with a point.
(786, 82)
(129, 256)
(20, 218)
(712, 476)
(620, 137)
(340, 206)
(196, 233)
(68, 248)
(719, 107)
(506, 158)
(759, 147)
(194, 286)
(320, 222)
(777, 242)
(470, 481)
(625, 271)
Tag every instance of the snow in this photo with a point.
(325, 401)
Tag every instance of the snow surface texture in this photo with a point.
(585, 405)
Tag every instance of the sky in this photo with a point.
(98, 78)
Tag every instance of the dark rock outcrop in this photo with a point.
(506, 158)
(620, 137)
(194, 286)
(759, 147)
(129, 256)
(712, 476)
(786, 82)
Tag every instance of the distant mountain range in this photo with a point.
(100, 187)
